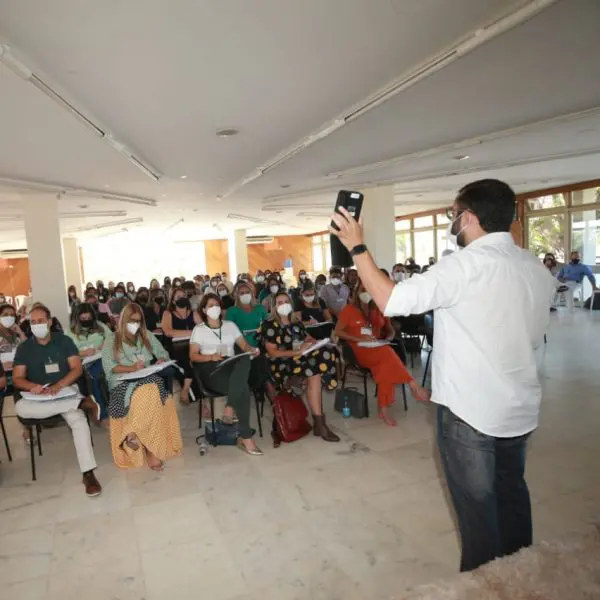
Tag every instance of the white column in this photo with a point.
(72, 263)
(379, 225)
(238, 253)
(44, 248)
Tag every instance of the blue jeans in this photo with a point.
(486, 479)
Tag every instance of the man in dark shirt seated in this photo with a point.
(45, 364)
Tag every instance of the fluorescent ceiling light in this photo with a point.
(67, 190)
(25, 73)
(98, 213)
(173, 225)
(408, 80)
(113, 224)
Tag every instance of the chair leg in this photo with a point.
(426, 368)
(38, 429)
(32, 452)
(5, 439)
(344, 376)
(212, 418)
(366, 397)
(404, 397)
(258, 417)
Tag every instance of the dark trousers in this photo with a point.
(231, 381)
(486, 479)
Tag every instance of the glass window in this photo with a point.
(423, 221)
(327, 252)
(441, 242)
(547, 234)
(589, 196)
(442, 219)
(423, 246)
(317, 252)
(550, 201)
(585, 235)
(403, 246)
(402, 225)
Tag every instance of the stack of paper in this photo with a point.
(141, 373)
(316, 346)
(90, 359)
(65, 393)
(373, 344)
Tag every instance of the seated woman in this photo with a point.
(10, 333)
(223, 293)
(248, 315)
(211, 342)
(312, 310)
(118, 302)
(361, 321)
(320, 283)
(143, 418)
(178, 321)
(285, 339)
(268, 294)
(89, 335)
(73, 298)
(131, 291)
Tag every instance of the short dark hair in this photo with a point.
(492, 201)
(204, 302)
(43, 308)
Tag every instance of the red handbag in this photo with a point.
(290, 415)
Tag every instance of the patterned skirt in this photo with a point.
(320, 362)
(153, 418)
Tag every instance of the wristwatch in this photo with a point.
(360, 249)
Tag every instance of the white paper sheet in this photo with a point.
(316, 346)
(68, 392)
(232, 358)
(183, 338)
(7, 357)
(375, 344)
(90, 359)
(318, 324)
(141, 373)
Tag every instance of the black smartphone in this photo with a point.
(352, 202)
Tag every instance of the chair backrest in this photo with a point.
(412, 325)
(348, 354)
(205, 391)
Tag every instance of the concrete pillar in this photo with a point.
(238, 253)
(44, 248)
(379, 225)
(72, 264)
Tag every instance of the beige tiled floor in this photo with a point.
(307, 521)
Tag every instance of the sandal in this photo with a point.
(132, 442)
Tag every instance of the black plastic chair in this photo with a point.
(210, 395)
(3, 395)
(413, 334)
(350, 362)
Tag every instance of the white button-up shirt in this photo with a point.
(492, 305)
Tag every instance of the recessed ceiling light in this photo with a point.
(183, 177)
(106, 185)
(461, 157)
(227, 132)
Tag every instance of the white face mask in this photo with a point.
(453, 237)
(40, 330)
(284, 309)
(398, 276)
(260, 278)
(365, 297)
(133, 327)
(246, 298)
(222, 293)
(274, 289)
(214, 312)
(336, 281)
(7, 321)
(302, 277)
(309, 299)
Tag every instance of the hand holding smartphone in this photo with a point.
(352, 202)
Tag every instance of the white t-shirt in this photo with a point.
(216, 341)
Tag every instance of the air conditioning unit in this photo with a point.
(259, 239)
(14, 253)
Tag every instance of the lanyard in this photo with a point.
(219, 335)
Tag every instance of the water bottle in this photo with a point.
(346, 410)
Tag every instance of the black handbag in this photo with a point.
(351, 398)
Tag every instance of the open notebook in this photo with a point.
(68, 392)
(141, 373)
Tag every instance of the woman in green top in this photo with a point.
(144, 427)
(248, 315)
(89, 336)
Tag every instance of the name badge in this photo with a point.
(52, 368)
(366, 331)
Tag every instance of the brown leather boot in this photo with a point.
(321, 429)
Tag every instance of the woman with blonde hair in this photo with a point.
(285, 340)
(144, 426)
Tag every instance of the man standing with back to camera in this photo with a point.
(491, 303)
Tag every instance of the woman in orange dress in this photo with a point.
(361, 321)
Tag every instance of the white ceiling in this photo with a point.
(163, 77)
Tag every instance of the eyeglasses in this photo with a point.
(453, 213)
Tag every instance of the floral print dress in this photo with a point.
(320, 362)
